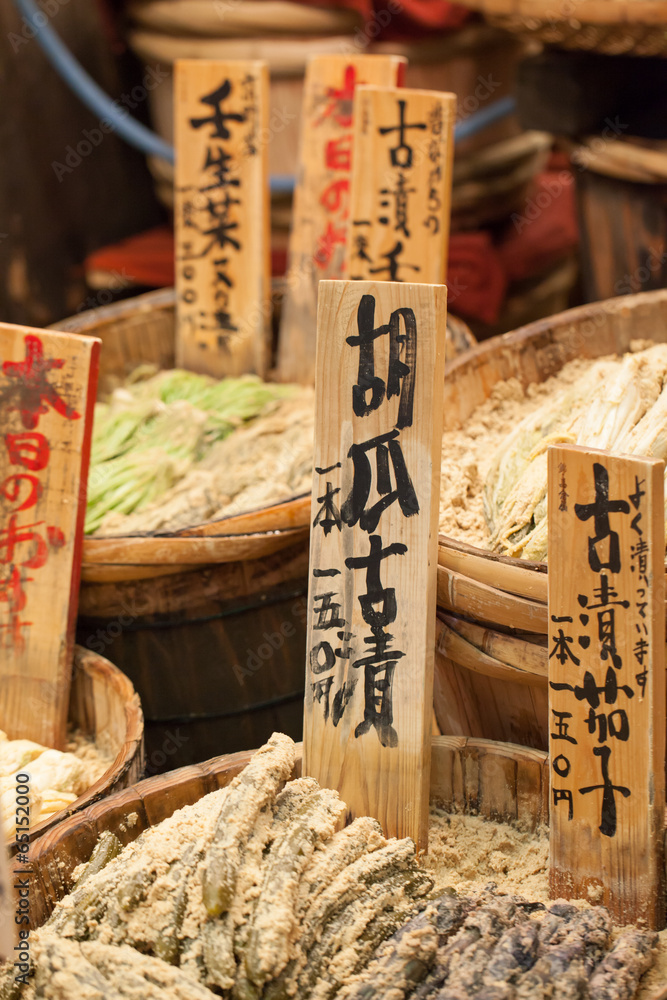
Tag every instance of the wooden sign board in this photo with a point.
(221, 212)
(321, 211)
(48, 383)
(401, 184)
(607, 681)
(373, 554)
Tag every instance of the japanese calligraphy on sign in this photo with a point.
(402, 184)
(47, 393)
(607, 680)
(369, 672)
(223, 277)
(322, 196)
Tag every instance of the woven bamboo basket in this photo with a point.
(491, 670)
(615, 27)
(495, 780)
(103, 705)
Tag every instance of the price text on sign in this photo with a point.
(607, 680)
(373, 558)
(47, 394)
(322, 195)
(402, 184)
(222, 216)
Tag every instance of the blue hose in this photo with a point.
(148, 142)
(87, 90)
(489, 115)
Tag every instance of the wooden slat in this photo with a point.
(321, 197)
(221, 214)
(374, 548)
(467, 655)
(468, 597)
(401, 184)
(520, 654)
(607, 680)
(160, 550)
(47, 394)
(495, 571)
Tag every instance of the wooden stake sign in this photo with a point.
(607, 681)
(223, 271)
(322, 196)
(47, 394)
(373, 555)
(401, 184)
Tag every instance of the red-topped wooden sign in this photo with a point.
(321, 213)
(48, 382)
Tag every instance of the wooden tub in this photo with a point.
(479, 693)
(104, 705)
(495, 780)
(208, 622)
(204, 620)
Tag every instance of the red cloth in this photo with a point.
(407, 16)
(476, 281)
(544, 230)
(144, 259)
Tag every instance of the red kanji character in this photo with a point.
(13, 535)
(333, 197)
(12, 594)
(29, 450)
(11, 490)
(338, 155)
(326, 244)
(31, 392)
(340, 100)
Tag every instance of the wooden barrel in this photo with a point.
(493, 622)
(103, 705)
(491, 682)
(495, 780)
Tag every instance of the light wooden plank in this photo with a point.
(48, 382)
(322, 196)
(607, 680)
(221, 215)
(401, 184)
(369, 684)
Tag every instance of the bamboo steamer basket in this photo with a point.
(615, 27)
(103, 705)
(498, 781)
(491, 655)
